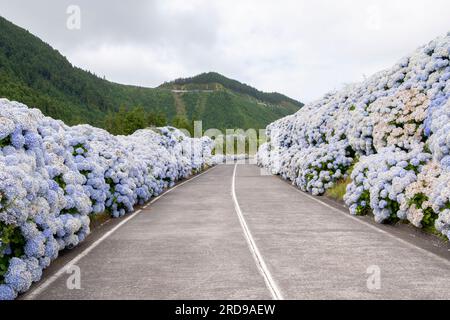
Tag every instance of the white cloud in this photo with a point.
(300, 48)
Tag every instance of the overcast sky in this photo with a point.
(300, 48)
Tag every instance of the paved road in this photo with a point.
(252, 237)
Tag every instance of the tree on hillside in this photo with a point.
(156, 119)
(125, 121)
(182, 122)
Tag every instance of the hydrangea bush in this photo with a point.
(54, 177)
(390, 134)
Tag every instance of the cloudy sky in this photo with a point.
(300, 48)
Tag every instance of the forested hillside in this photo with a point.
(34, 73)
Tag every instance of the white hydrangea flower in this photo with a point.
(394, 128)
(53, 176)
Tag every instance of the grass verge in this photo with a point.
(337, 192)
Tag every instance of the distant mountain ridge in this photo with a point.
(216, 81)
(34, 73)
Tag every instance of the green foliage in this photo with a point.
(3, 200)
(418, 200)
(126, 122)
(360, 209)
(112, 185)
(34, 73)
(209, 81)
(338, 191)
(112, 190)
(5, 142)
(85, 172)
(182, 122)
(349, 152)
(228, 110)
(411, 167)
(10, 237)
(394, 207)
(79, 146)
(429, 216)
(70, 211)
(156, 119)
(60, 181)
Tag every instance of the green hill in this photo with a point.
(216, 81)
(225, 103)
(34, 73)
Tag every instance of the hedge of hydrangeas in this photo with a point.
(53, 177)
(390, 134)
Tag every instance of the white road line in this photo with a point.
(34, 293)
(268, 279)
(349, 216)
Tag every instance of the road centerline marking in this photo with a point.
(261, 265)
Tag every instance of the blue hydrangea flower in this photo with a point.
(7, 293)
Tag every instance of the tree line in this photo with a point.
(126, 121)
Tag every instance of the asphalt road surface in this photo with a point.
(234, 233)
